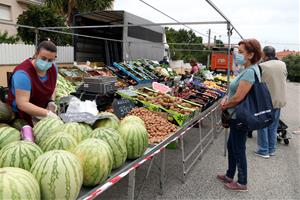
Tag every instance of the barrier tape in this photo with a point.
(116, 179)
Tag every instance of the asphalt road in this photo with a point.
(274, 178)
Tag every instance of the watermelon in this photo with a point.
(18, 124)
(116, 143)
(86, 130)
(59, 141)
(59, 174)
(8, 135)
(135, 136)
(4, 125)
(18, 184)
(75, 130)
(44, 128)
(6, 113)
(20, 154)
(96, 158)
(132, 118)
(111, 122)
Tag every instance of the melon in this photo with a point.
(75, 130)
(4, 125)
(59, 141)
(111, 122)
(18, 184)
(135, 136)
(86, 130)
(6, 113)
(8, 135)
(96, 158)
(19, 154)
(132, 118)
(116, 143)
(44, 128)
(59, 175)
(18, 124)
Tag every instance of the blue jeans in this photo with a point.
(267, 137)
(236, 146)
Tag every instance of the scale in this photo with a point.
(101, 89)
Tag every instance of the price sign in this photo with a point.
(122, 107)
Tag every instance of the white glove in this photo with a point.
(52, 107)
(53, 115)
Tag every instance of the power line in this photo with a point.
(172, 18)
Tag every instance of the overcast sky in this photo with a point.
(272, 22)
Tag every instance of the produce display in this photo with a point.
(116, 143)
(75, 130)
(135, 136)
(96, 158)
(63, 87)
(8, 135)
(133, 118)
(18, 184)
(19, 154)
(59, 174)
(18, 124)
(59, 141)
(158, 127)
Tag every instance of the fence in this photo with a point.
(12, 54)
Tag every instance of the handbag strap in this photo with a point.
(255, 74)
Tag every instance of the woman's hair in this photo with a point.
(193, 62)
(252, 46)
(47, 45)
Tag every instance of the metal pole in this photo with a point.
(131, 185)
(228, 78)
(36, 37)
(208, 56)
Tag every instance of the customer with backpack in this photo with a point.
(249, 54)
(274, 74)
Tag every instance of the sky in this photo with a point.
(272, 22)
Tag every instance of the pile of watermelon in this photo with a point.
(65, 156)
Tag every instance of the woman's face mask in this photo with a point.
(240, 59)
(43, 65)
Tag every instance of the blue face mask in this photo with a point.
(43, 65)
(240, 59)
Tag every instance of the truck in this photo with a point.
(219, 59)
(132, 42)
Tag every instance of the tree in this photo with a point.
(186, 52)
(70, 7)
(219, 43)
(42, 16)
(293, 67)
(5, 38)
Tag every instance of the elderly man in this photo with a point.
(274, 73)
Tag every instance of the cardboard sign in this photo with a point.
(122, 107)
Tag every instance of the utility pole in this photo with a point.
(215, 41)
(208, 45)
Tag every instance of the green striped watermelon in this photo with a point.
(18, 184)
(59, 141)
(116, 143)
(75, 130)
(8, 135)
(135, 136)
(132, 118)
(96, 158)
(3, 125)
(44, 128)
(6, 113)
(86, 130)
(111, 122)
(20, 154)
(59, 174)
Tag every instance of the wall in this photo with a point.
(16, 10)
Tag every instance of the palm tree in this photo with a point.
(70, 7)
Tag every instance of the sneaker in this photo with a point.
(234, 186)
(224, 178)
(262, 155)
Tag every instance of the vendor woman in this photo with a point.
(32, 85)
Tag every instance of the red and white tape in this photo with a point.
(116, 179)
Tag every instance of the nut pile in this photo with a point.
(158, 127)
